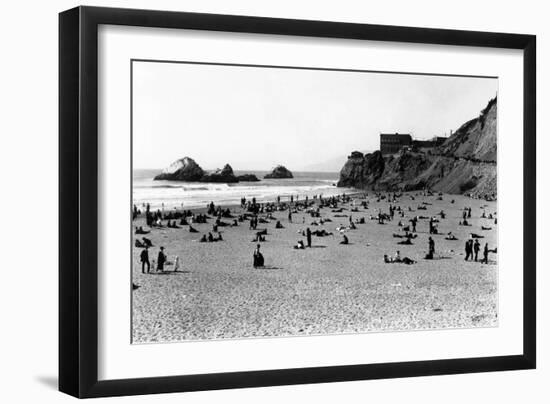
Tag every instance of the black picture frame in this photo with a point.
(78, 206)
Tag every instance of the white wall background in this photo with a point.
(28, 170)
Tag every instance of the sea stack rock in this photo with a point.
(279, 172)
(185, 169)
(248, 178)
(224, 175)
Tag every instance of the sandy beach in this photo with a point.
(327, 289)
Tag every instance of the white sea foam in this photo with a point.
(172, 194)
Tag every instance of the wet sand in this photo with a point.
(327, 289)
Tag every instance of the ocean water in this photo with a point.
(177, 194)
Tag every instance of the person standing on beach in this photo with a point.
(161, 259)
(476, 249)
(468, 249)
(144, 257)
(431, 247)
(485, 259)
(308, 236)
(289, 215)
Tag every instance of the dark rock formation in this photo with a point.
(248, 178)
(464, 163)
(185, 169)
(279, 172)
(224, 175)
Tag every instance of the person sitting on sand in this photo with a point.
(258, 238)
(345, 240)
(192, 229)
(235, 223)
(486, 228)
(322, 233)
(139, 230)
(147, 242)
(408, 261)
(258, 258)
(404, 260)
(203, 239)
(300, 245)
(397, 257)
(278, 225)
(474, 235)
(407, 241)
(219, 238)
(450, 236)
(161, 260)
(139, 244)
(210, 238)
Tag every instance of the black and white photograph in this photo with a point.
(277, 201)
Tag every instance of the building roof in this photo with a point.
(396, 134)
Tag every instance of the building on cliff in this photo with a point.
(391, 143)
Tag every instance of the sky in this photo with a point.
(256, 117)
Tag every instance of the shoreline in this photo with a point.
(202, 209)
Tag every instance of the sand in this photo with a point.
(327, 289)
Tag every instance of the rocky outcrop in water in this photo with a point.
(225, 175)
(247, 178)
(464, 163)
(185, 169)
(280, 172)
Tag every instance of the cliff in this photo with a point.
(464, 163)
(280, 172)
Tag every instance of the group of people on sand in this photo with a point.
(311, 207)
(162, 259)
(398, 260)
(471, 248)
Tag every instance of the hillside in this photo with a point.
(464, 163)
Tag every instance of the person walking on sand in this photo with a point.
(144, 258)
(476, 249)
(161, 259)
(308, 237)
